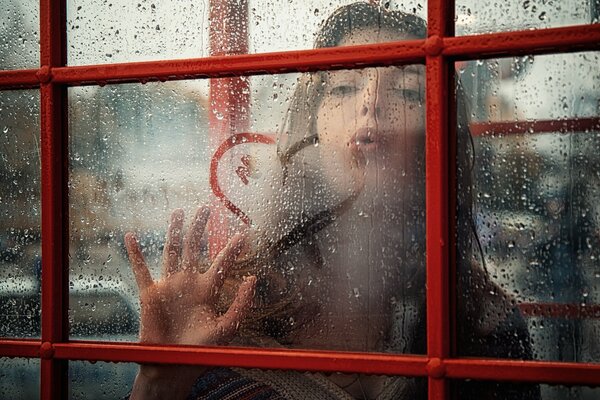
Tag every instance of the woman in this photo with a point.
(341, 263)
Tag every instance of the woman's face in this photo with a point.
(370, 122)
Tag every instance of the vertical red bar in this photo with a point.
(229, 98)
(438, 200)
(54, 197)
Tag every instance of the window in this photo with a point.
(117, 123)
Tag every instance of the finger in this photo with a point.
(219, 269)
(138, 265)
(172, 248)
(230, 321)
(192, 241)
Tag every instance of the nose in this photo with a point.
(372, 99)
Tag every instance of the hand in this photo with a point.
(180, 307)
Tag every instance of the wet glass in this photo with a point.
(528, 228)
(19, 34)
(124, 31)
(100, 380)
(473, 17)
(476, 17)
(324, 168)
(525, 391)
(20, 230)
(115, 381)
(19, 378)
(135, 153)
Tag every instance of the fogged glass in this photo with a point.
(529, 191)
(121, 30)
(20, 378)
(115, 381)
(20, 242)
(473, 17)
(100, 380)
(19, 34)
(327, 170)
(522, 391)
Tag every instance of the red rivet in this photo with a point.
(44, 74)
(46, 350)
(436, 368)
(433, 45)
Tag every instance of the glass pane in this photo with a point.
(329, 170)
(20, 245)
(121, 30)
(115, 381)
(521, 391)
(533, 164)
(19, 378)
(473, 17)
(101, 380)
(19, 34)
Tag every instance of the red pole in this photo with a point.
(55, 206)
(439, 172)
(229, 98)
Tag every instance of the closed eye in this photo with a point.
(342, 90)
(409, 94)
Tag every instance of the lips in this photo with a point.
(367, 139)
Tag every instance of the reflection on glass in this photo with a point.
(20, 378)
(19, 34)
(100, 380)
(20, 245)
(121, 30)
(536, 192)
(473, 17)
(523, 391)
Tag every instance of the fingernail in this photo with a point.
(177, 214)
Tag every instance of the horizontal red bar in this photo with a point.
(539, 126)
(524, 371)
(245, 358)
(405, 52)
(555, 310)
(19, 348)
(542, 41)
(18, 79)
(569, 39)
(410, 365)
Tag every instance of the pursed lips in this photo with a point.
(368, 139)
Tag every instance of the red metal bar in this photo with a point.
(569, 39)
(544, 41)
(246, 358)
(20, 348)
(229, 98)
(19, 79)
(556, 310)
(440, 19)
(524, 371)
(407, 52)
(539, 126)
(54, 197)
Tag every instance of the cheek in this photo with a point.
(332, 126)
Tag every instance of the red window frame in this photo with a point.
(439, 52)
